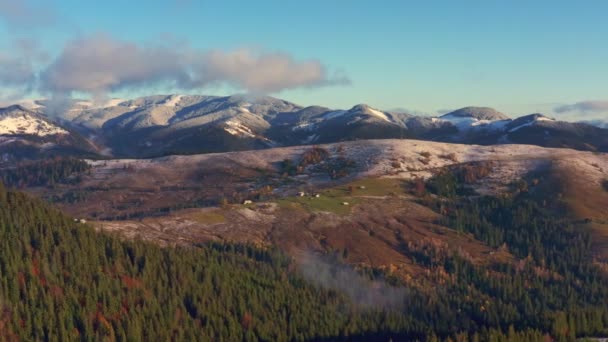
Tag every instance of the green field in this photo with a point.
(332, 199)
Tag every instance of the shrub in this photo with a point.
(340, 167)
(288, 168)
(425, 154)
(444, 184)
(313, 156)
(418, 187)
(470, 173)
(450, 157)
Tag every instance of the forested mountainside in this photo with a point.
(62, 281)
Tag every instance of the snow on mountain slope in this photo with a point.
(334, 114)
(173, 100)
(28, 135)
(27, 125)
(531, 122)
(176, 123)
(378, 114)
(365, 111)
(469, 123)
(468, 119)
(17, 120)
(480, 113)
(88, 104)
(235, 127)
(113, 102)
(96, 118)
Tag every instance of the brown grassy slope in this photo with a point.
(585, 199)
(381, 227)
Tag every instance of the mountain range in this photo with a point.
(186, 124)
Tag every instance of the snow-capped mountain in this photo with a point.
(25, 133)
(165, 124)
(476, 118)
(18, 121)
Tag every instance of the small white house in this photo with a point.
(345, 203)
(301, 194)
(246, 202)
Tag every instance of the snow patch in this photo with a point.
(112, 103)
(310, 139)
(173, 100)
(378, 114)
(86, 104)
(333, 114)
(532, 122)
(244, 109)
(308, 126)
(235, 127)
(469, 123)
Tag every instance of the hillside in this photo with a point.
(191, 199)
(479, 248)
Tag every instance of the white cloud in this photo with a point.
(584, 107)
(99, 64)
(18, 73)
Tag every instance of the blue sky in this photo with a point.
(516, 56)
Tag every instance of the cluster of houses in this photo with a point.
(303, 194)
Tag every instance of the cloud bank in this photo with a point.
(100, 64)
(584, 107)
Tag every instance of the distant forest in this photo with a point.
(60, 280)
(44, 173)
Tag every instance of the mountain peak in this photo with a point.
(360, 106)
(534, 116)
(367, 110)
(480, 113)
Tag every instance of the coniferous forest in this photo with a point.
(60, 280)
(44, 172)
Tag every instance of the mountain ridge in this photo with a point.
(181, 124)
